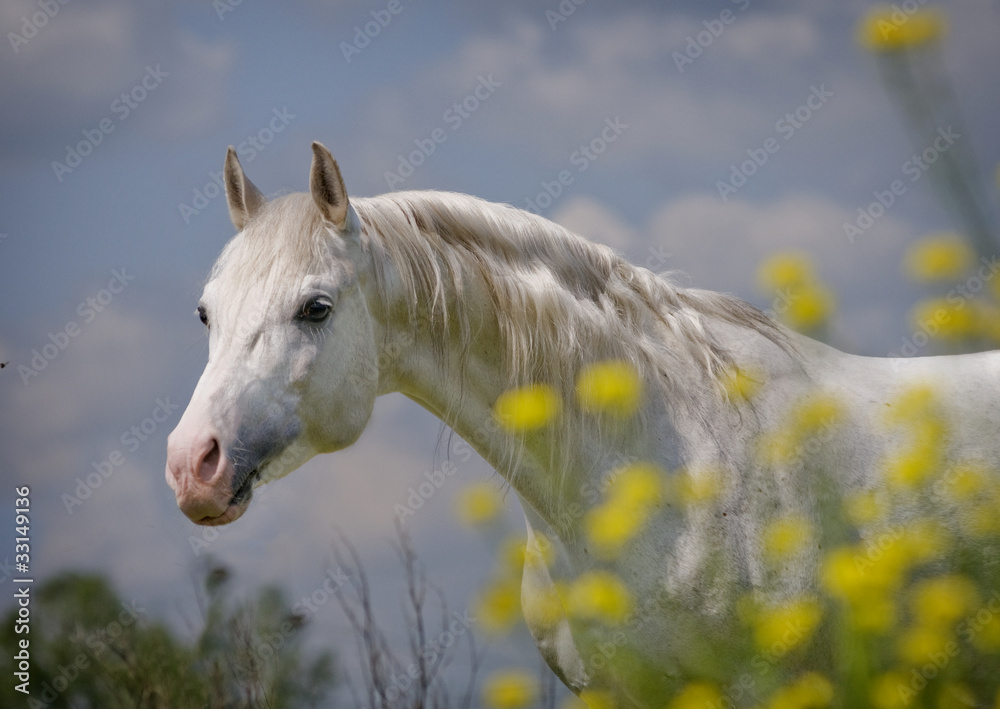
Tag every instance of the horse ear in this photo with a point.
(242, 195)
(327, 187)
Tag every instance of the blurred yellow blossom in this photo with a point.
(915, 403)
(917, 645)
(478, 503)
(885, 692)
(890, 28)
(787, 536)
(740, 384)
(634, 492)
(589, 699)
(789, 269)
(864, 507)
(816, 413)
(498, 606)
(810, 691)
(938, 257)
(941, 600)
(527, 408)
(809, 307)
(865, 585)
(510, 689)
(911, 468)
(612, 387)
(696, 695)
(599, 595)
(787, 626)
(943, 319)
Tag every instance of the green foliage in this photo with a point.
(89, 648)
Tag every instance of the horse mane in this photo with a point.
(559, 300)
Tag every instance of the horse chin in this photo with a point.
(233, 512)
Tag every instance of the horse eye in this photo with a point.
(315, 311)
(203, 315)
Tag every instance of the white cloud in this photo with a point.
(590, 218)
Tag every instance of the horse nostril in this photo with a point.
(210, 462)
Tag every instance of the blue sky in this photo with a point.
(102, 258)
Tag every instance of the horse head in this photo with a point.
(291, 369)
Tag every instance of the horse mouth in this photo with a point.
(238, 503)
(244, 491)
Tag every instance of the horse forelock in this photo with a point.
(285, 241)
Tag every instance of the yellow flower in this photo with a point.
(790, 269)
(888, 29)
(910, 469)
(917, 403)
(987, 639)
(809, 307)
(810, 691)
(778, 630)
(510, 689)
(612, 387)
(813, 414)
(527, 408)
(632, 496)
(599, 595)
(938, 257)
(590, 699)
(637, 484)
(543, 608)
(866, 585)
(864, 507)
(923, 541)
(696, 695)
(478, 504)
(940, 601)
(739, 384)
(944, 320)
(609, 528)
(498, 607)
(886, 694)
(786, 536)
(917, 645)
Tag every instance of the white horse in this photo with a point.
(320, 304)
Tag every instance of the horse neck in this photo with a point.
(459, 368)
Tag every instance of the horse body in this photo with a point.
(321, 304)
